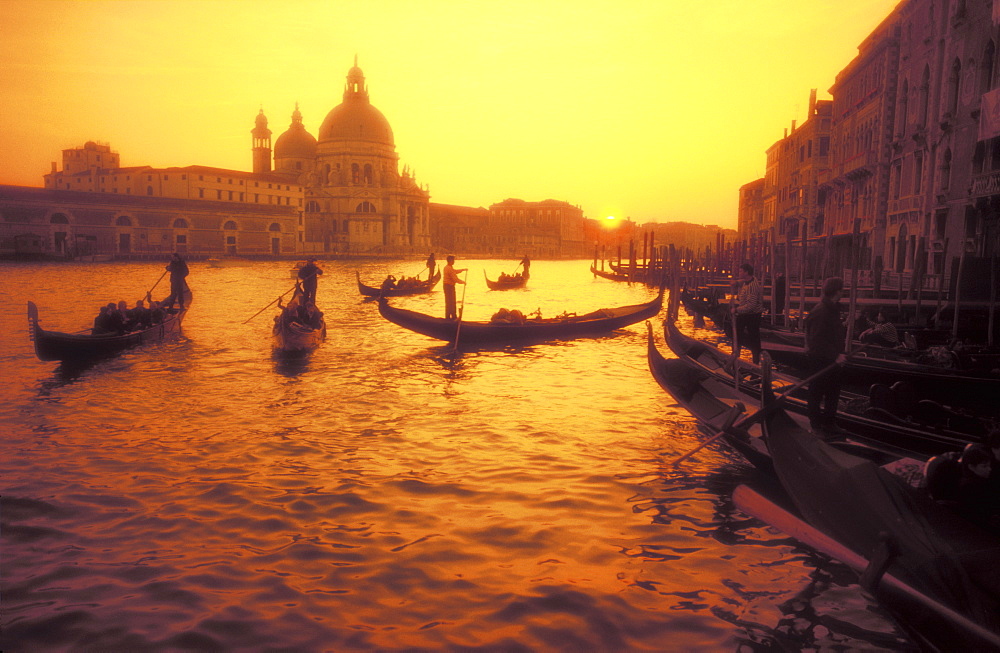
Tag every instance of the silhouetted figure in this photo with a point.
(824, 344)
(308, 273)
(178, 281)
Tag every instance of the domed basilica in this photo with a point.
(356, 200)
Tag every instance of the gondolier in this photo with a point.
(450, 279)
(824, 344)
(749, 308)
(308, 274)
(178, 270)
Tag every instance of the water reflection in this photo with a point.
(384, 492)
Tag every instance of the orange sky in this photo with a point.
(650, 109)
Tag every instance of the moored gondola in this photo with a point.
(857, 416)
(412, 287)
(951, 586)
(77, 347)
(298, 328)
(562, 327)
(507, 282)
(613, 276)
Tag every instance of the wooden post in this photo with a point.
(958, 291)
(775, 309)
(855, 237)
(788, 281)
(918, 275)
(802, 269)
(940, 289)
(993, 299)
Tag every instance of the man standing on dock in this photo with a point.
(824, 344)
(746, 314)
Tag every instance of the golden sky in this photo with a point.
(656, 110)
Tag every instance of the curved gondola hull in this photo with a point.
(68, 347)
(416, 289)
(613, 276)
(596, 323)
(510, 283)
(296, 338)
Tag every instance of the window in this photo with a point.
(123, 221)
(954, 85)
(274, 227)
(365, 207)
(986, 70)
(182, 239)
(230, 224)
(149, 190)
(918, 171)
(180, 223)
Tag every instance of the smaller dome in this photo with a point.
(296, 142)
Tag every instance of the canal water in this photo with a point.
(383, 493)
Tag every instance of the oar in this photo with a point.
(461, 310)
(275, 301)
(149, 292)
(760, 413)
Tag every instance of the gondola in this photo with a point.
(291, 336)
(710, 399)
(613, 276)
(943, 582)
(418, 288)
(75, 347)
(973, 389)
(871, 424)
(562, 327)
(507, 283)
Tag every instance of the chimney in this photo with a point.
(53, 166)
(812, 101)
(793, 126)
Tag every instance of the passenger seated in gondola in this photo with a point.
(156, 313)
(977, 497)
(102, 322)
(138, 317)
(115, 320)
(389, 283)
(882, 333)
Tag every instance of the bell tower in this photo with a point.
(261, 144)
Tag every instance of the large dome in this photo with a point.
(296, 142)
(355, 119)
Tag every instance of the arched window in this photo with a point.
(946, 169)
(904, 96)
(312, 206)
(365, 207)
(979, 158)
(59, 218)
(901, 249)
(925, 85)
(274, 227)
(368, 174)
(355, 173)
(346, 224)
(954, 86)
(123, 221)
(180, 223)
(986, 69)
(230, 225)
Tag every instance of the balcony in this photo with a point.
(985, 184)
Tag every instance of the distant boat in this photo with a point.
(227, 262)
(404, 287)
(507, 282)
(58, 346)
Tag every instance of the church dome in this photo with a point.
(296, 142)
(355, 119)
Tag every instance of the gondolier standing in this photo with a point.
(431, 266)
(308, 274)
(178, 270)
(749, 308)
(449, 281)
(824, 344)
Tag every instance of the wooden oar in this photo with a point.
(149, 292)
(275, 301)
(752, 503)
(760, 413)
(461, 310)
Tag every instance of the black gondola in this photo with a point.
(871, 424)
(415, 288)
(507, 282)
(75, 347)
(563, 327)
(294, 336)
